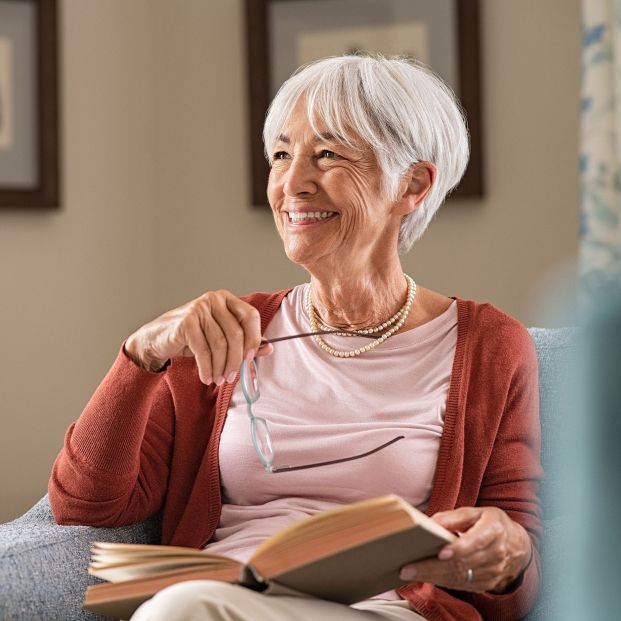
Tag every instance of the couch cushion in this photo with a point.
(43, 566)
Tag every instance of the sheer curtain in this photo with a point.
(600, 149)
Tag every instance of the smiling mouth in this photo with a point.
(309, 217)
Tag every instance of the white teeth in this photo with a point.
(310, 215)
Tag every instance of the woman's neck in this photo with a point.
(357, 301)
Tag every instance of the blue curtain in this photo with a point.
(600, 149)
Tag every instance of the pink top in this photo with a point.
(319, 408)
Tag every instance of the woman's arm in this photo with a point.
(502, 532)
(113, 467)
(511, 481)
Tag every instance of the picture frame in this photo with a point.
(310, 27)
(29, 128)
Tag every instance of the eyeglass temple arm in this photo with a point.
(317, 333)
(336, 461)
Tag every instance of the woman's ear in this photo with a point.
(415, 186)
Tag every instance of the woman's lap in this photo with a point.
(207, 600)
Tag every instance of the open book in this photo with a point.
(344, 555)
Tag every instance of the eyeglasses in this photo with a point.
(261, 438)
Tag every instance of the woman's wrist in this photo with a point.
(144, 362)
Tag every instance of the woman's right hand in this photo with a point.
(217, 328)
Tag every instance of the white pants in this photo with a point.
(208, 600)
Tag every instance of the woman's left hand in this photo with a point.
(494, 547)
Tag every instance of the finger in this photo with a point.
(482, 535)
(490, 527)
(458, 519)
(216, 340)
(249, 319)
(452, 574)
(265, 349)
(234, 334)
(198, 347)
(491, 557)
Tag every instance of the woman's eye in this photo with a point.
(327, 154)
(279, 155)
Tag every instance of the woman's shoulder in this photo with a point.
(493, 330)
(266, 302)
(489, 317)
(482, 315)
(261, 298)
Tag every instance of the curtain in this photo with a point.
(600, 150)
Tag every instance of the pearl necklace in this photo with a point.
(398, 319)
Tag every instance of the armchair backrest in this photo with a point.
(554, 351)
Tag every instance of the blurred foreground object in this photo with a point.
(589, 574)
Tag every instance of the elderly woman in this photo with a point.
(363, 151)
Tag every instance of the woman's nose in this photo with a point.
(300, 177)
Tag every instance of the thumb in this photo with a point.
(458, 519)
(265, 349)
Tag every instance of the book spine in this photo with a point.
(251, 579)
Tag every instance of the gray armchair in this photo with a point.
(43, 566)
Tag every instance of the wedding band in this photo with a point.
(469, 575)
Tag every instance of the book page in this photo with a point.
(119, 572)
(140, 550)
(118, 562)
(332, 531)
(327, 521)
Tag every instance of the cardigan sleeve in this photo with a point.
(114, 465)
(512, 476)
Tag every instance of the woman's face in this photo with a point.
(327, 199)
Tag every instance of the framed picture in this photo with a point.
(29, 175)
(285, 34)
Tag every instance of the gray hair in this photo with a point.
(403, 111)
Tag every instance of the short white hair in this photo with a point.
(399, 108)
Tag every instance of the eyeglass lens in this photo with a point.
(250, 380)
(262, 440)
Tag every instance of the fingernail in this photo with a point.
(250, 355)
(231, 376)
(219, 381)
(408, 574)
(209, 380)
(445, 554)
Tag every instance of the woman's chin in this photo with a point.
(299, 258)
(301, 255)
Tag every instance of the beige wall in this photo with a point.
(500, 249)
(156, 199)
(74, 281)
(209, 237)
(506, 247)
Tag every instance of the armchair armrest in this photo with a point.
(43, 565)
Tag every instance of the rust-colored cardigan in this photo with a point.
(149, 441)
